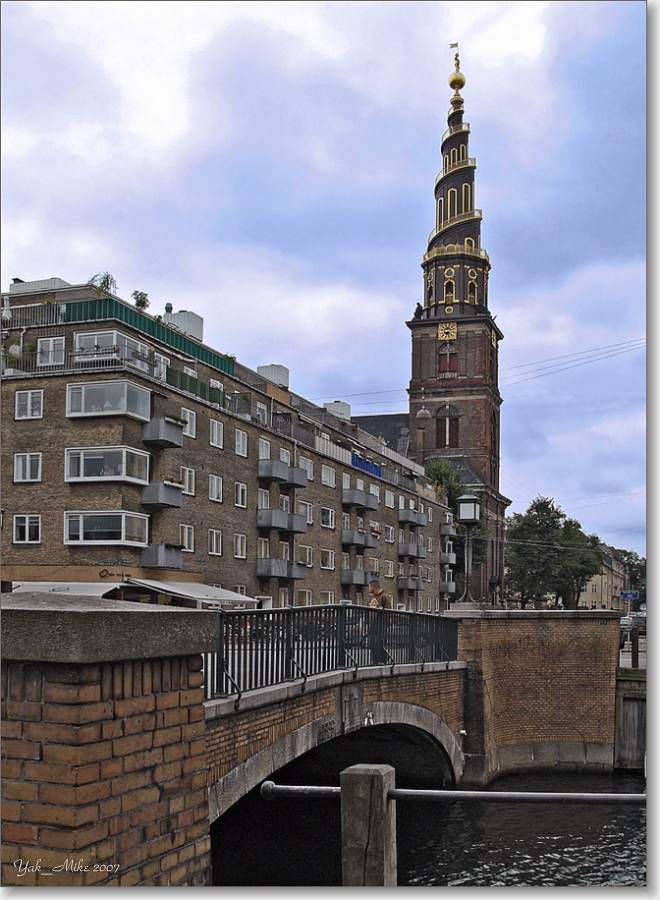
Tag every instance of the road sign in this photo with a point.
(629, 595)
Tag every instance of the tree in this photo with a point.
(548, 553)
(141, 299)
(447, 482)
(103, 283)
(636, 566)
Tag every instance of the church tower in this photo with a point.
(454, 394)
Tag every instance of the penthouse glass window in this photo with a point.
(111, 345)
(108, 398)
(107, 463)
(105, 528)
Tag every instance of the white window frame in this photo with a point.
(285, 503)
(331, 516)
(161, 365)
(285, 456)
(429, 513)
(389, 499)
(50, 351)
(27, 467)
(34, 409)
(304, 597)
(240, 546)
(262, 415)
(122, 409)
(81, 515)
(28, 522)
(122, 346)
(241, 442)
(240, 494)
(187, 538)
(189, 416)
(328, 476)
(263, 548)
(346, 481)
(388, 567)
(264, 448)
(215, 542)
(328, 559)
(308, 465)
(374, 489)
(216, 433)
(389, 534)
(327, 597)
(215, 488)
(305, 555)
(263, 498)
(188, 480)
(307, 510)
(82, 452)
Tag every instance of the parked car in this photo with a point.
(639, 621)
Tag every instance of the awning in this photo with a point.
(206, 594)
(79, 588)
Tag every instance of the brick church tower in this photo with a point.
(454, 395)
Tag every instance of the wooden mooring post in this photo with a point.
(368, 827)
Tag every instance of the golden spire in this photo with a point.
(457, 78)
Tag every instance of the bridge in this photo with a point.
(115, 768)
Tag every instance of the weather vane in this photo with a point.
(457, 61)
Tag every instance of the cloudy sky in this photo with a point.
(270, 165)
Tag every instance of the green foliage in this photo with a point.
(636, 566)
(141, 299)
(547, 553)
(103, 283)
(445, 480)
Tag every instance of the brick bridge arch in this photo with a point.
(278, 725)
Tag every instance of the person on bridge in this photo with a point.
(379, 599)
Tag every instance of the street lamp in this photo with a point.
(468, 513)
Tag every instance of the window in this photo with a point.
(215, 542)
(263, 548)
(216, 433)
(240, 494)
(308, 466)
(327, 596)
(429, 513)
(374, 527)
(27, 529)
(328, 476)
(447, 358)
(111, 345)
(241, 589)
(263, 499)
(305, 555)
(190, 418)
(388, 568)
(285, 456)
(187, 538)
(307, 510)
(374, 565)
(188, 479)
(190, 372)
(241, 442)
(359, 562)
(29, 405)
(389, 499)
(285, 503)
(161, 365)
(402, 501)
(327, 517)
(106, 463)
(345, 521)
(374, 489)
(389, 534)
(264, 449)
(105, 528)
(304, 598)
(108, 398)
(447, 427)
(262, 416)
(217, 385)
(327, 559)
(359, 484)
(285, 550)
(50, 351)
(283, 595)
(240, 546)
(429, 545)
(345, 561)
(27, 467)
(346, 481)
(215, 488)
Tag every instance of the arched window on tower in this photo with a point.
(452, 203)
(447, 358)
(454, 156)
(445, 162)
(447, 427)
(441, 211)
(469, 242)
(472, 292)
(467, 198)
(449, 292)
(463, 151)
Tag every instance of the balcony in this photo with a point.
(411, 584)
(447, 587)
(161, 556)
(358, 538)
(296, 477)
(410, 517)
(448, 529)
(359, 499)
(273, 568)
(415, 551)
(296, 570)
(272, 518)
(162, 432)
(448, 559)
(273, 470)
(162, 495)
(296, 524)
(353, 576)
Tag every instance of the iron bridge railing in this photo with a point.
(259, 648)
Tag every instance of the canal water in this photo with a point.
(293, 842)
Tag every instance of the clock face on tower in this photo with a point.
(447, 331)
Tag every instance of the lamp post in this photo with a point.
(468, 513)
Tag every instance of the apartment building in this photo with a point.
(132, 450)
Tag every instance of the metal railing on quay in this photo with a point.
(261, 648)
